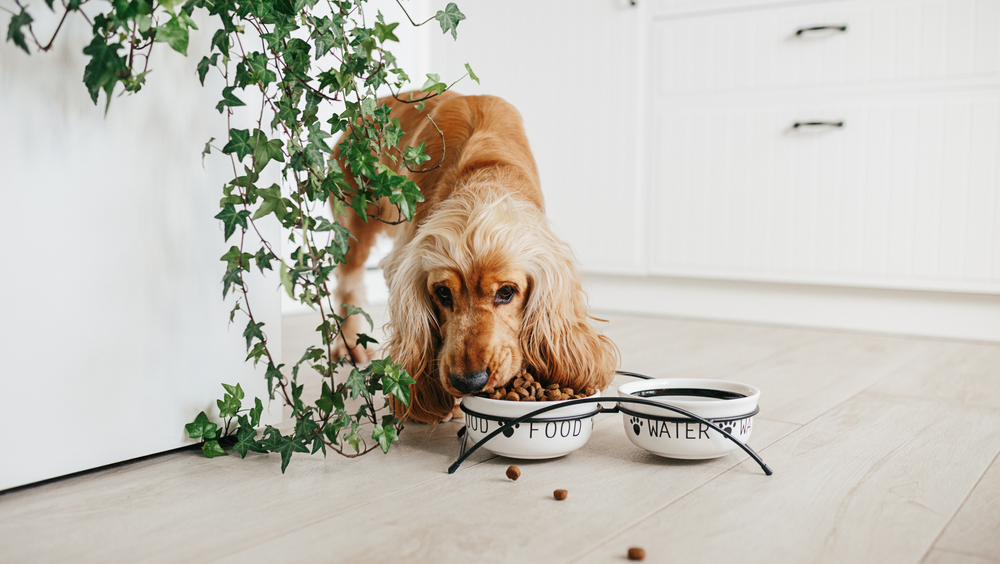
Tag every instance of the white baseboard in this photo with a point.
(928, 314)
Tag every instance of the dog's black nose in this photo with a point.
(470, 383)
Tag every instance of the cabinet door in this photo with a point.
(904, 195)
(572, 72)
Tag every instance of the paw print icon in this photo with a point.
(727, 426)
(636, 424)
(509, 432)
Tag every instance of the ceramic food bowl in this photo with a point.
(550, 435)
(729, 405)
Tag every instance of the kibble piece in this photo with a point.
(512, 396)
(552, 387)
(560, 494)
(528, 378)
(590, 390)
(513, 472)
(518, 382)
(522, 391)
(498, 395)
(578, 396)
(636, 553)
(567, 391)
(529, 397)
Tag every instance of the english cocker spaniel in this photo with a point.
(480, 289)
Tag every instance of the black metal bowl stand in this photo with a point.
(510, 424)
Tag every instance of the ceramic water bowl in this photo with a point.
(729, 405)
(550, 435)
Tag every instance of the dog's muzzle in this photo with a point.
(470, 383)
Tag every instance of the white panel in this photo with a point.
(885, 42)
(929, 314)
(113, 331)
(905, 195)
(579, 99)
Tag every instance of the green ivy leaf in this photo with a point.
(384, 32)
(236, 391)
(175, 34)
(255, 412)
(246, 440)
(449, 18)
(434, 84)
(208, 150)
(239, 143)
(272, 204)
(356, 383)
(286, 446)
(352, 310)
(17, 21)
(231, 218)
(221, 42)
(228, 406)
(273, 372)
(384, 434)
(263, 259)
(203, 66)
(253, 331)
(472, 75)
(265, 150)
(201, 427)
(229, 100)
(286, 280)
(397, 382)
(212, 449)
(104, 69)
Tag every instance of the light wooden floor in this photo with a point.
(884, 450)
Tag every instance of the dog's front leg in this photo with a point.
(350, 289)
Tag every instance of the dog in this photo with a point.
(480, 288)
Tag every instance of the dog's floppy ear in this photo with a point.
(556, 339)
(413, 341)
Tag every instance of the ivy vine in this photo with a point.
(301, 58)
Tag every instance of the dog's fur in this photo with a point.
(481, 228)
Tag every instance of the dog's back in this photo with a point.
(484, 145)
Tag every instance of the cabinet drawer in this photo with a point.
(884, 42)
(904, 195)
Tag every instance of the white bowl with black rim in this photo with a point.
(550, 435)
(729, 405)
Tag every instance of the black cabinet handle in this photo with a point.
(799, 124)
(821, 28)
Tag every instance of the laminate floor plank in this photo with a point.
(873, 480)
(976, 527)
(947, 557)
(184, 507)
(965, 373)
(479, 514)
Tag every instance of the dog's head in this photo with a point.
(484, 291)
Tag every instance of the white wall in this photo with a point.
(113, 331)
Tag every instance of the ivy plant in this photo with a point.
(315, 66)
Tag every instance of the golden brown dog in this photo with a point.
(480, 289)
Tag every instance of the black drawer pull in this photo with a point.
(799, 124)
(821, 28)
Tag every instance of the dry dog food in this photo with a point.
(560, 494)
(513, 472)
(525, 388)
(636, 553)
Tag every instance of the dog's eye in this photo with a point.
(504, 295)
(443, 295)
